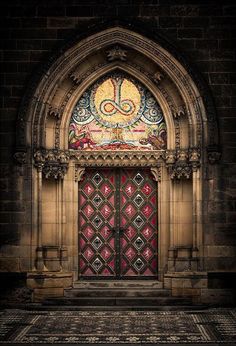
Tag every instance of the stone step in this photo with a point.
(115, 292)
(135, 284)
(118, 301)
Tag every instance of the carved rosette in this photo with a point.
(182, 163)
(53, 163)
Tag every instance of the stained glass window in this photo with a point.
(117, 113)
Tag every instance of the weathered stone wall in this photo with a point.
(202, 30)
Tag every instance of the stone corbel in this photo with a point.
(79, 173)
(156, 172)
(182, 162)
(213, 154)
(53, 163)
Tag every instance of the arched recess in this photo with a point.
(55, 171)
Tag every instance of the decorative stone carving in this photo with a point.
(53, 163)
(54, 112)
(120, 159)
(182, 162)
(194, 158)
(156, 172)
(214, 154)
(79, 172)
(116, 53)
(180, 111)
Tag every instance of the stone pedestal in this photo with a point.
(48, 284)
(186, 284)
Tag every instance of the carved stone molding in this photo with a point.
(213, 154)
(53, 163)
(182, 163)
(156, 172)
(54, 112)
(118, 158)
(116, 53)
(79, 173)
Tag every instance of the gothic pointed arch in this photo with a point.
(147, 87)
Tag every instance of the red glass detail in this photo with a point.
(82, 243)
(124, 264)
(153, 221)
(123, 179)
(88, 272)
(88, 253)
(153, 200)
(105, 272)
(147, 210)
(123, 242)
(105, 232)
(112, 199)
(106, 189)
(154, 264)
(130, 189)
(148, 272)
(123, 221)
(112, 243)
(130, 233)
(88, 232)
(82, 221)
(105, 253)
(111, 264)
(147, 232)
(82, 264)
(82, 200)
(112, 222)
(88, 189)
(130, 210)
(106, 211)
(130, 272)
(123, 200)
(130, 253)
(147, 253)
(88, 210)
(147, 189)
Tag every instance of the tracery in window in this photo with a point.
(117, 113)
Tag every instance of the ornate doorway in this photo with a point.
(118, 224)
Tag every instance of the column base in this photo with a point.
(186, 284)
(48, 284)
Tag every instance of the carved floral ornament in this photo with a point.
(180, 163)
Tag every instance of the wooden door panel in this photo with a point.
(138, 223)
(118, 224)
(97, 224)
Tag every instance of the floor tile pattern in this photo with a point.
(111, 327)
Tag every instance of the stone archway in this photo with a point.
(178, 170)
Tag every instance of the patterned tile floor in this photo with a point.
(213, 326)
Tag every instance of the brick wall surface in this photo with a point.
(203, 30)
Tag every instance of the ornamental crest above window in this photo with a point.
(117, 113)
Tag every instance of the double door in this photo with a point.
(118, 224)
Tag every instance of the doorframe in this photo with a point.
(117, 237)
(160, 175)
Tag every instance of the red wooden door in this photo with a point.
(118, 224)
